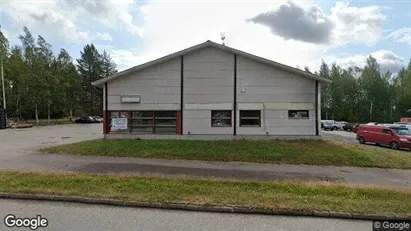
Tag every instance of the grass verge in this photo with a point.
(212, 192)
(310, 152)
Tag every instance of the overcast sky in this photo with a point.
(291, 32)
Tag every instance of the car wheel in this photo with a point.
(394, 145)
(361, 140)
(335, 128)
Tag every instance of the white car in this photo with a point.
(333, 124)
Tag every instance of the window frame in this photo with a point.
(230, 118)
(290, 111)
(149, 115)
(250, 118)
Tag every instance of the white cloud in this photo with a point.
(112, 13)
(44, 16)
(357, 24)
(103, 36)
(388, 61)
(173, 26)
(125, 58)
(402, 35)
(170, 27)
(64, 18)
(345, 24)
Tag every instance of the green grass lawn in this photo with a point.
(310, 152)
(212, 192)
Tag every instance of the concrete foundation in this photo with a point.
(212, 137)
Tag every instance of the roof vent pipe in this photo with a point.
(222, 37)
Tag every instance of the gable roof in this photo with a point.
(209, 43)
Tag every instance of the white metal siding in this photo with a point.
(199, 122)
(159, 87)
(258, 83)
(208, 79)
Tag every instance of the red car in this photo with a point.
(393, 136)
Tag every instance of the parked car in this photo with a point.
(98, 119)
(336, 125)
(393, 136)
(85, 120)
(403, 124)
(327, 125)
(355, 127)
(349, 127)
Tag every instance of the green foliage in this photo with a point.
(92, 66)
(40, 84)
(364, 95)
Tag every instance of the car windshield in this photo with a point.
(402, 131)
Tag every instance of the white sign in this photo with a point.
(130, 98)
(119, 124)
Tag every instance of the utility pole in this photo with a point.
(2, 81)
(371, 112)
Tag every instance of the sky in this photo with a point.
(296, 33)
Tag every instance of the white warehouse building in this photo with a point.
(211, 89)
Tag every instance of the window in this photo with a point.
(386, 131)
(250, 118)
(298, 114)
(220, 118)
(144, 122)
(165, 122)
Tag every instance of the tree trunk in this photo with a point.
(37, 115)
(71, 114)
(17, 107)
(48, 113)
(92, 101)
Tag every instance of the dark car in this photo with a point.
(327, 126)
(349, 127)
(85, 120)
(355, 127)
(97, 119)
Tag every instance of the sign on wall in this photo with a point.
(130, 98)
(118, 124)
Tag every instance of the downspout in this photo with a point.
(235, 96)
(105, 113)
(317, 132)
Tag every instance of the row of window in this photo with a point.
(249, 118)
(166, 121)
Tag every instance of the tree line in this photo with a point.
(365, 94)
(41, 84)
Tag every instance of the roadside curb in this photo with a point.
(204, 208)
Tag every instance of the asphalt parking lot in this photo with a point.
(14, 142)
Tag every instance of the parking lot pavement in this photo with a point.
(339, 135)
(17, 142)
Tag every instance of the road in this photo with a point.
(75, 216)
